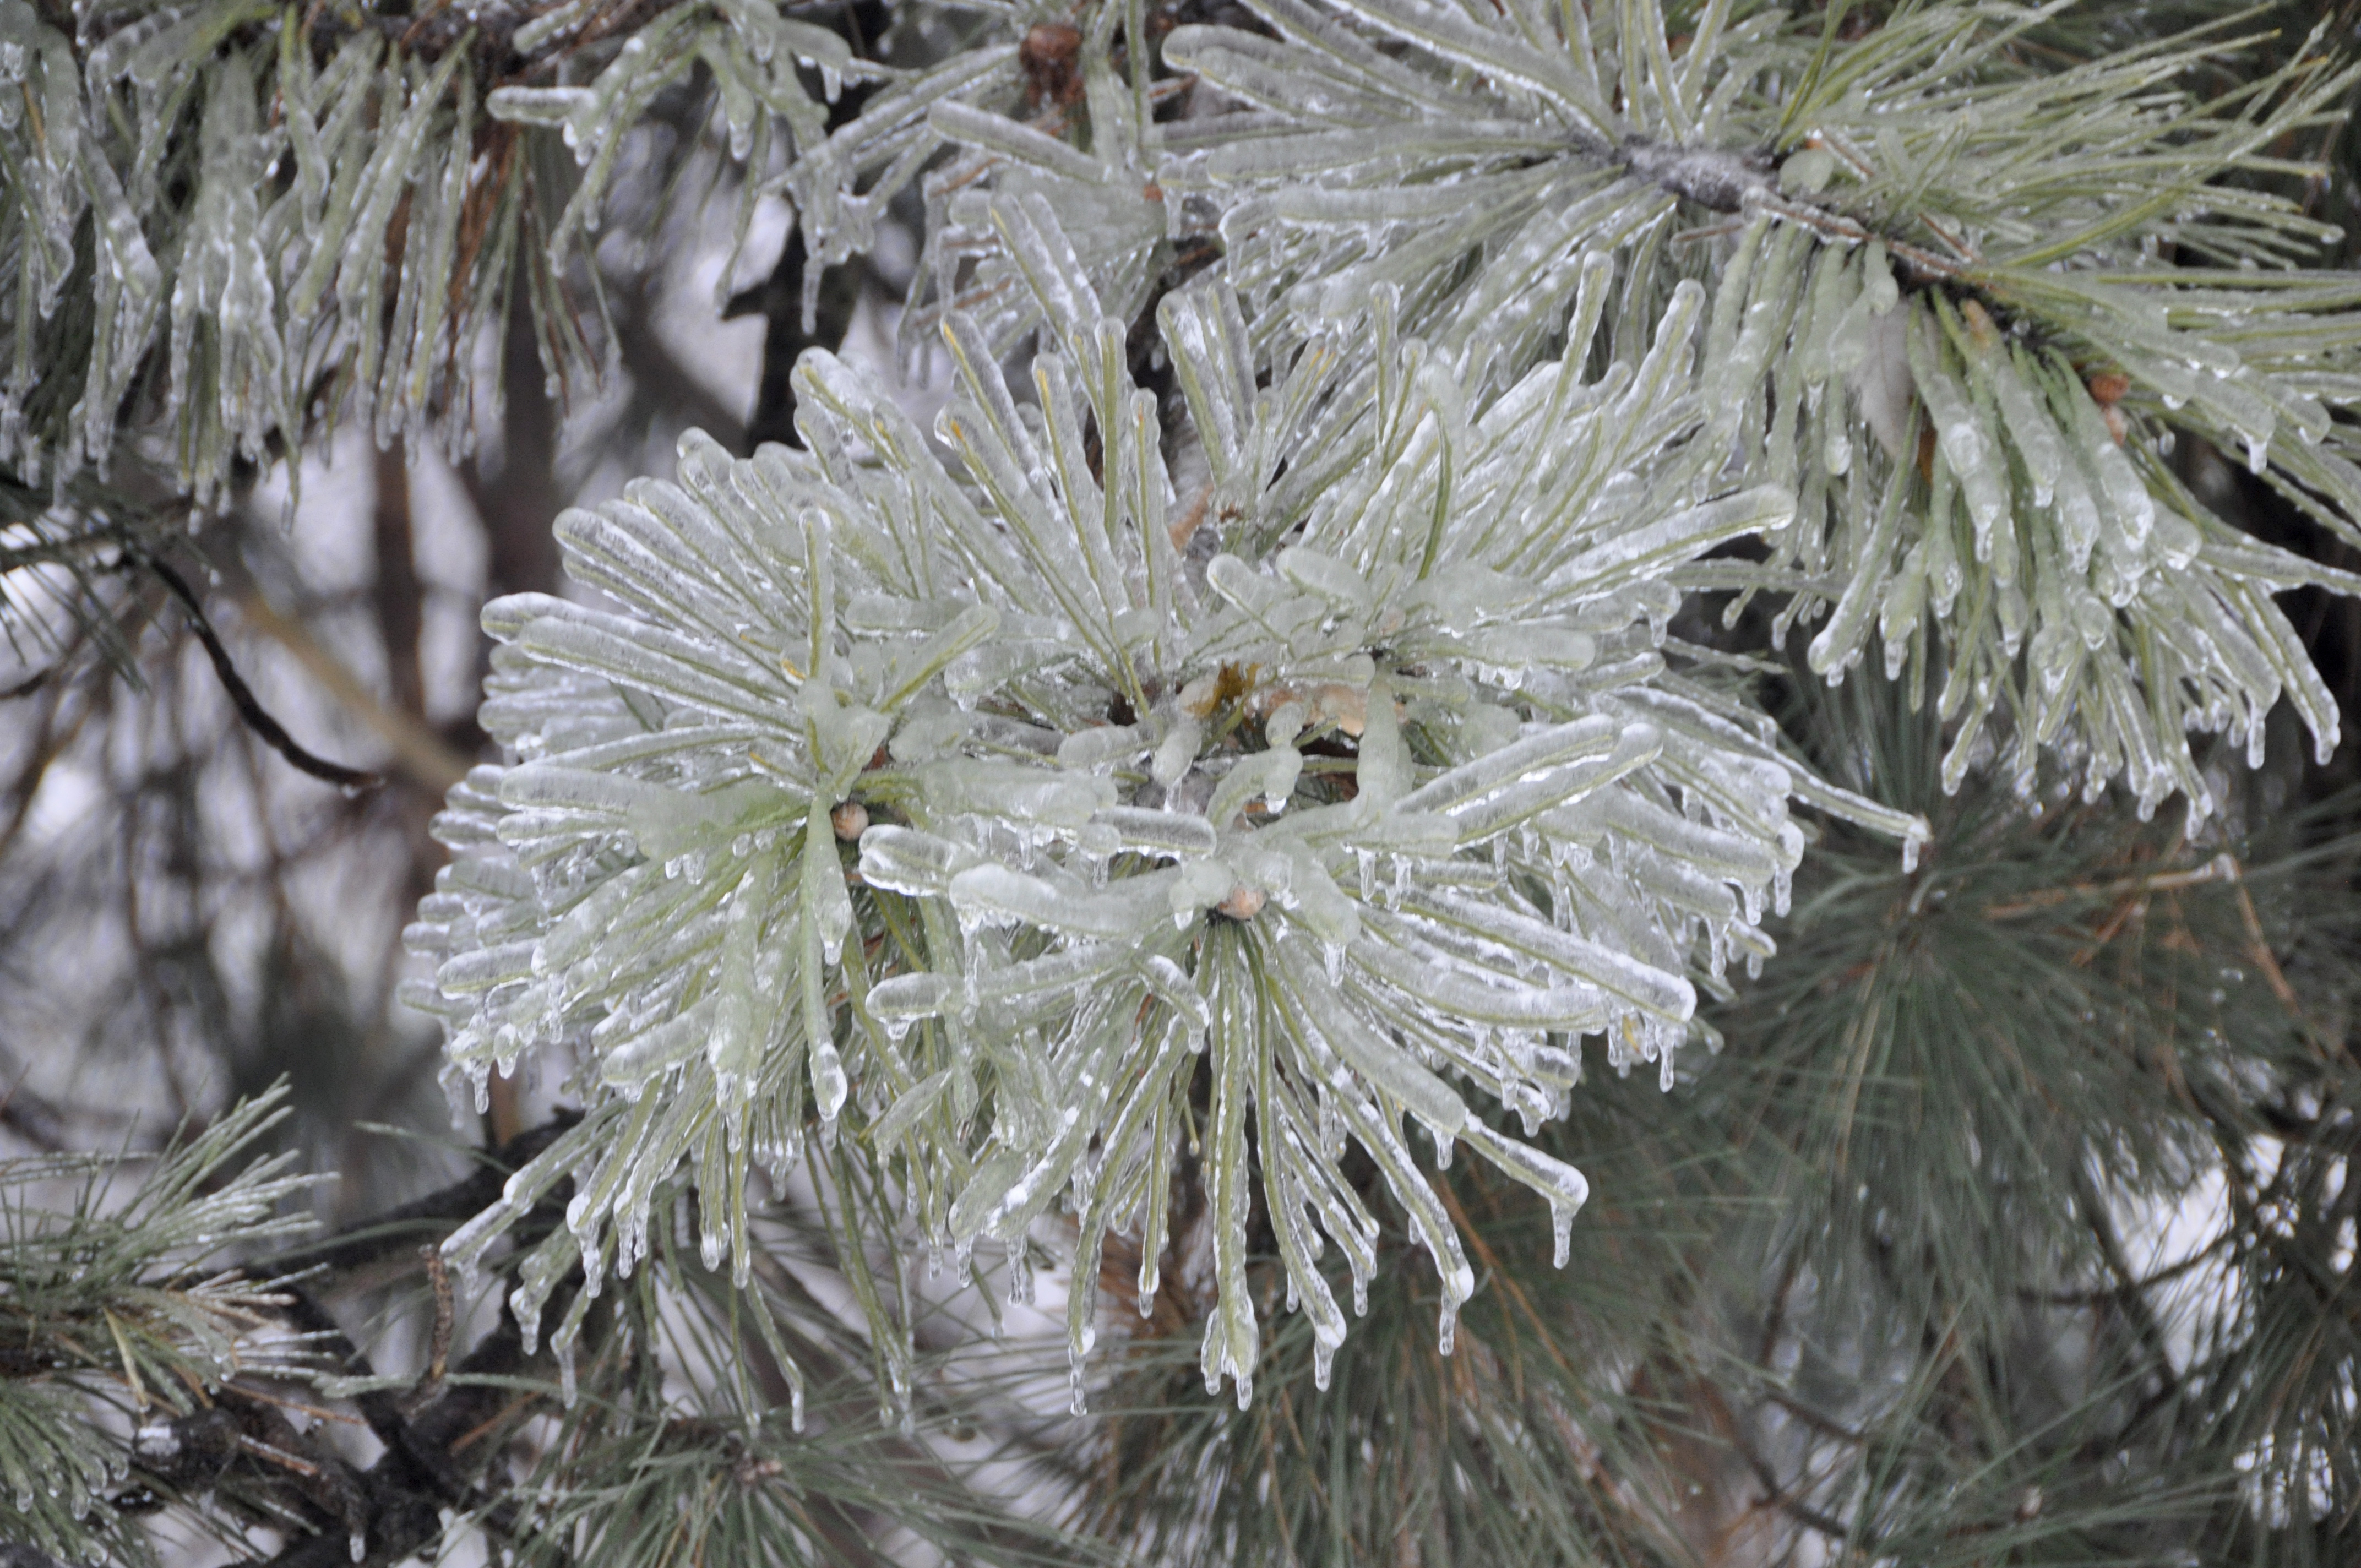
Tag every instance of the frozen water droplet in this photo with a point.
(1561, 1234)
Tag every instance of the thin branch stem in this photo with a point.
(257, 719)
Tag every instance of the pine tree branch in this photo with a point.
(428, 761)
(396, 1505)
(2221, 868)
(1721, 179)
(419, 1475)
(250, 708)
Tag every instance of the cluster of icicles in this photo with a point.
(1006, 819)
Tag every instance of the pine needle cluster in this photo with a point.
(1471, 548)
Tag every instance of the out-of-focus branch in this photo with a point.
(779, 301)
(661, 382)
(401, 598)
(517, 496)
(419, 754)
(257, 719)
(395, 1507)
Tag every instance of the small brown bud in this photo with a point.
(1243, 903)
(1348, 706)
(2108, 388)
(850, 820)
(1047, 55)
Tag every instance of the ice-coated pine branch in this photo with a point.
(1977, 435)
(233, 225)
(1364, 781)
(117, 1314)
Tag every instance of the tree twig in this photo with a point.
(257, 719)
(418, 752)
(429, 1387)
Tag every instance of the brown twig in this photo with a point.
(2221, 868)
(429, 1387)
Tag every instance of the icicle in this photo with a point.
(1561, 1234)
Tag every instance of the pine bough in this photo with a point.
(1323, 729)
(1373, 773)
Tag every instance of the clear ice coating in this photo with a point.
(1126, 739)
(322, 235)
(669, 878)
